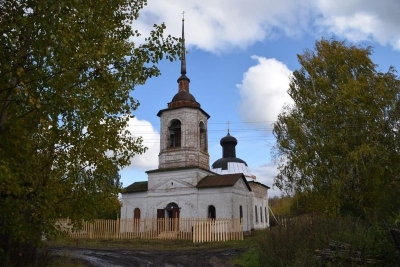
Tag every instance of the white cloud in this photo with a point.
(263, 90)
(218, 26)
(151, 140)
(265, 174)
(360, 20)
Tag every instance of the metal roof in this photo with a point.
(231, 167)
(221, 180)
(136, 187)
(254, 182)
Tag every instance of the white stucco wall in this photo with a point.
(193, 202)
(190, 177)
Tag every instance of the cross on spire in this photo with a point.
(228, 125)
(183, 59)
(183, 80)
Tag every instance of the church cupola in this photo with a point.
(184, 137)
(229, 163)
(228, 144)
(183, 97)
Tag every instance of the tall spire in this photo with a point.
(183, 60)
(183, 80)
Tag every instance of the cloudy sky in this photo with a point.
(240, 56)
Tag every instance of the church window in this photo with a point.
(136, 213)
(241, 212)
(211, 212)
(265, 214)
(261, 217)
(256, 215)
(136, 219)
(203, 136)
(175, 134)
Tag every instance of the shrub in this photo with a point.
(325, 241)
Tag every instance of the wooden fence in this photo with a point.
(198, 230)
(302, 219)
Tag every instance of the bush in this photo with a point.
(328, 242)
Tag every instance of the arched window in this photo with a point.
(175, 134)
(256, 215)
(136, 213)
(203, 136)
(136, 219)
(241, 212)
(261, 217)
(211, 212)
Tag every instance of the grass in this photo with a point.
(156, 244)
(250, 258)
(64, 260)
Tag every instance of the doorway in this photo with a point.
(172, 212)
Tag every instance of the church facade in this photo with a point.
(184, 185)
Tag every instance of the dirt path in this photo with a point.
(141, 258)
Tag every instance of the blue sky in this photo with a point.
(240, 56)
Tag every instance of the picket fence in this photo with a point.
(198, 230)
(302, 219)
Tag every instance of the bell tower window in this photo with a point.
(203, 137)
(174, 134)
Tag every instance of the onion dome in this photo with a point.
(183, 98)
(229, 163)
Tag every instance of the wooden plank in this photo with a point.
(198, 230)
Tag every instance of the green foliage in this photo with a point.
(281, 205)
(331, 241)
(339, 144)
(66, 72)
(248, 259)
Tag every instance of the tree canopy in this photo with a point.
(66, 72)
(339, 141)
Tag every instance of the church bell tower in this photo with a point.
(184, 136)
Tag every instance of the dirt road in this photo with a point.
(141, 258)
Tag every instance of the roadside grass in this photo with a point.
(249, 258)
(155, 244)
(63, 260)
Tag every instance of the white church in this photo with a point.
(184, 185)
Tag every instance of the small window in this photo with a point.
(211, 212)
(241, 212)
(256, 215)
(261, 217)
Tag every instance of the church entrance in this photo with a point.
(172, 210)
(168, 218)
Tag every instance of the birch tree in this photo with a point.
(66, 72)
(339, 142)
